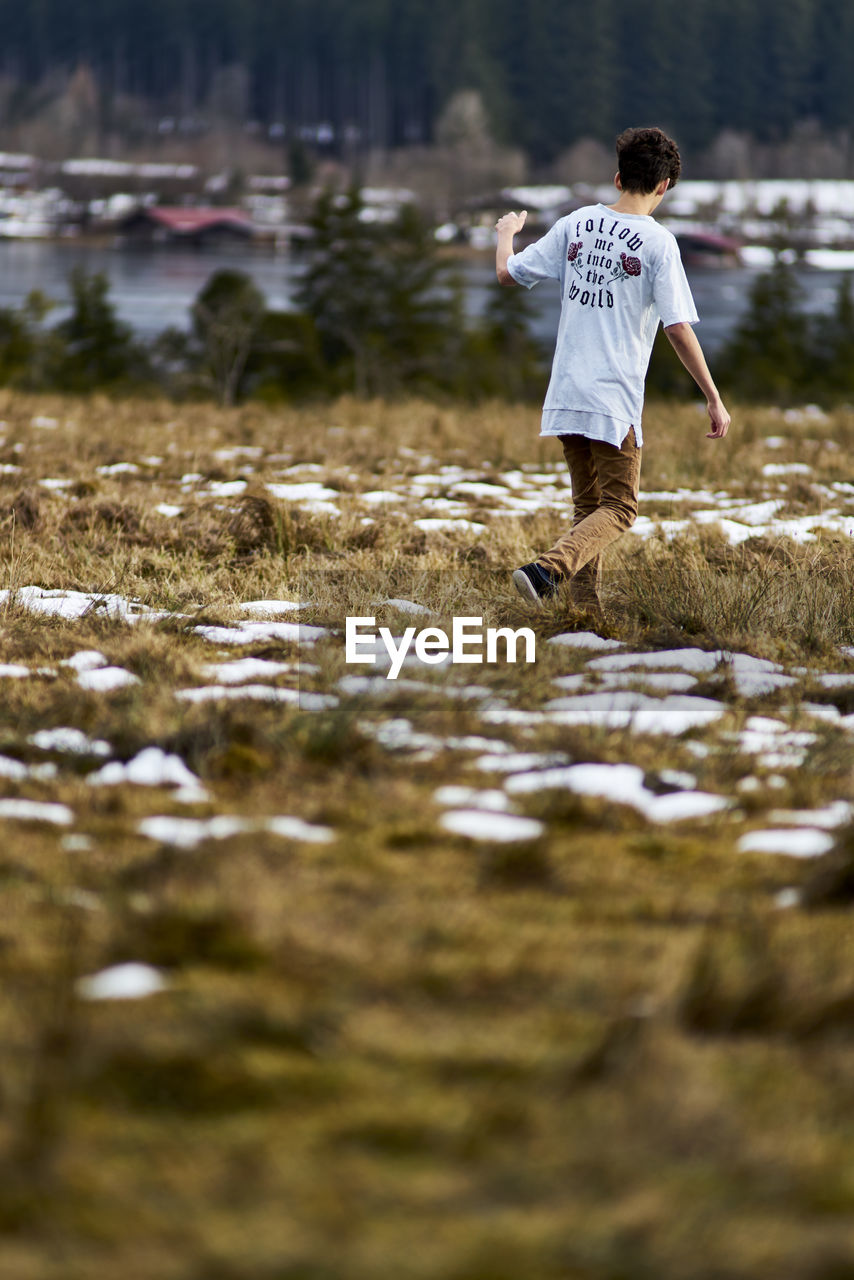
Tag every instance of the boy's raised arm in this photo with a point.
(507, 228)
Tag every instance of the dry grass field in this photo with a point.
(507, 971)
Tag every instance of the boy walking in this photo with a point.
(620, 274)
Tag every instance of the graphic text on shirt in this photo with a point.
(610, 229)
(590, 297)
(600, 261)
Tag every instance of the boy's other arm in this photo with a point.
(684, 341)
(507, 228)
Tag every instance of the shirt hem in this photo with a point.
(578, 424)
(683, 320)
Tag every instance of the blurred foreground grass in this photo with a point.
(603, 1053)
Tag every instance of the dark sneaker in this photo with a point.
(535, 583)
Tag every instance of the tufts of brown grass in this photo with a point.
(604, 1052)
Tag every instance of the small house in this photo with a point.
(157, 224)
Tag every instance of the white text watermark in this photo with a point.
(432, 645)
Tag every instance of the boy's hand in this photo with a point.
(511, 222)
(719, 419)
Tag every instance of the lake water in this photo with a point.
(154, 288)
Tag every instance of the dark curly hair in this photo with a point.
(645, 158)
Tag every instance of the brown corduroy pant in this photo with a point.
(605, 483)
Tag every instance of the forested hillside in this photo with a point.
(379, 72)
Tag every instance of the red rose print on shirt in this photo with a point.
(629, 266)
(572, 255)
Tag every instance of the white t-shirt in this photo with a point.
(620, 275)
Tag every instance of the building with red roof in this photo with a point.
(158, 224)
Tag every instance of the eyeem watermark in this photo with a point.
(432, 645)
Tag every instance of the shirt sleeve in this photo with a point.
(542, 260)
(671, 291)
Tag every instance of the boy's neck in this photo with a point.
(638, 202)
(635, 202)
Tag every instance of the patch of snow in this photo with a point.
(646, 528)
(751, 676)
(644, 714)
(71, 740)
(85, 660)
(77, 604)
(695, 660)
(186, 833)
(585, 640)
(583, 680)
(835, 680)
(755, 684)
(118, 468)
(513, 479)
(497, 712)
(13, 671)
(764, 724)
(269, 608)
(621, 784)
(304, 699)
(479, 489)
(238, 451)
(226, 488)
(776, 747)
(679, 806)
(472, 798)
(399, 735)
(676, 778)
(36, 811)
(376, 497)
(314, 467)
(472, 742)
(256, 632)
(152, 767)
(129, 981)
(667, 681)
(406, 606)
(14, 769)
(244, 669)
(481, 824)
(836, 814)
(106, 679)
(310, 491)
(786, 469)
(296, 829)
(378, 685)
(819, 711)
(432, 524)
(786, 899)
(450, 506)
(168, 510)
(800, 843)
